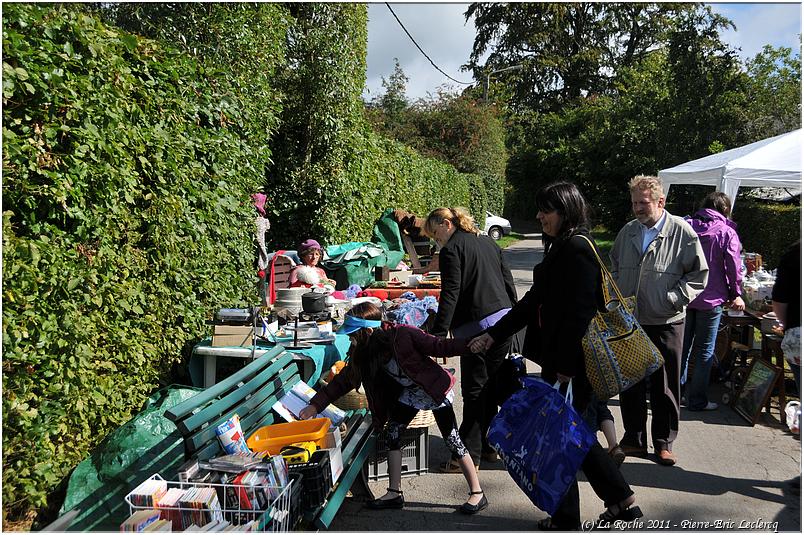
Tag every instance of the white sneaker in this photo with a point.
(711, 406)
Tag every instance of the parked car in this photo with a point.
(497, 226)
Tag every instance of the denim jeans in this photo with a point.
(700, 334)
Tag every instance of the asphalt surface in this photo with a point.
(729, 474)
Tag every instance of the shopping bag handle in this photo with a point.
(607, 276)
(568, 396)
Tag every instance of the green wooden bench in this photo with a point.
(250, 393)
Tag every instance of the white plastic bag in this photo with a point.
(793, 413)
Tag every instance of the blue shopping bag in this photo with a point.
(542, 441)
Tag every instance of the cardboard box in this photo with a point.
(232, 335)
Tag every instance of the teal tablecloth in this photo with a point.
(322, 355)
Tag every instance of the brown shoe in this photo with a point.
(666, 457)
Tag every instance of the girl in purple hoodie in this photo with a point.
(721, 245)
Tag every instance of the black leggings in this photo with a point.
(402, 414)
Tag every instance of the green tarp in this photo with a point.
(354, 262)
(147, 444)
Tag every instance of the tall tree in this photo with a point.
(706, 87)
(774, 93)
(393, 102)
(566, 49)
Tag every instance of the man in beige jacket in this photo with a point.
(657, 258)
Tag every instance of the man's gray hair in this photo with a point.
(646, 182)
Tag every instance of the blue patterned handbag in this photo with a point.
(542, 441)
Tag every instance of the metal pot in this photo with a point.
(313, 302)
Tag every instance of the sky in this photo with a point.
(441, 31)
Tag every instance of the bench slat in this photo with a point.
(252, 411)
(355, 452)
(188, 406)
(215, 407)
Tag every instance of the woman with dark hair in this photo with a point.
(557, 310)
(477, 288)
(721, 246)
(393, 364)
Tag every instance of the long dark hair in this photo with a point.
(371, 350)
(566, 199)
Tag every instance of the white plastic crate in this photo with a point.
(415, 450)
(275, 517)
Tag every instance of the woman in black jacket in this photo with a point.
(477, 288)
(557, 310)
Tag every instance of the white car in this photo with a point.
(496, 226)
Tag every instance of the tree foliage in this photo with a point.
(773, 94)
(456, 129)
(671, 105)
(566, 50)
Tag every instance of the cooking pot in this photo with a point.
(313, 302)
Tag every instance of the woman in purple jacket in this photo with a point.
(393, 364)
(721, 245)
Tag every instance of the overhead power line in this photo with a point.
(422, 51)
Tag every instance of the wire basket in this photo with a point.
(232, 505)
(422, 419)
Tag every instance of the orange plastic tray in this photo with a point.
(271, 438)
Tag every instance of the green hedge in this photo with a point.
(127, 217)
(766, 228)
(385, 173)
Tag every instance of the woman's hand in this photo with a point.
(308, 412)
(481, 343)
(737, 304)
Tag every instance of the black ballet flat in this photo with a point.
(393, 503)
(616, 513)
(469, 509)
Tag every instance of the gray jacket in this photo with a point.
(671, 273)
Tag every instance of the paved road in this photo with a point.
(727, 472)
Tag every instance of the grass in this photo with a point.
(604, 238)
(511, 239)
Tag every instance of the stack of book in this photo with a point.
(298, 398)
(224, 525)
(199, 506)
(145, 520)
(169, 505)
(148, 493)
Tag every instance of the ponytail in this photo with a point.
(459, 216)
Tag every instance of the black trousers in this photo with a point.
(478, 387)
(606, 480)
(663, 386)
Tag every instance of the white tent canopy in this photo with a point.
(773, 162)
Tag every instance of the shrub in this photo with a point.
(767, 228)
(126, 218)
